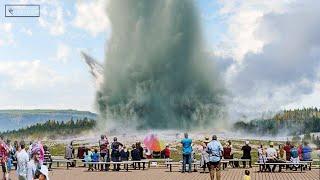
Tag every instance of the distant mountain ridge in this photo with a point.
(15, 119)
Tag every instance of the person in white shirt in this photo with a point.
(271, 157)
(22, 162)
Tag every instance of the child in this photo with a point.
(246, 175)
(87, 158)
(124, 154)
(95, 157)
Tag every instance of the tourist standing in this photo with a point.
(95, 157)
(227, 153)
(88, 159)
(186, 152)
(306, 152)
(287, 149)
(135, 156)
(69, 153)
(104, 151)
(246, 149)
(22, 162)
(271, 157)
(115, 154)
(4, 153)
(47, 157)
(34, 164)
(124, 154)
(215, 151)
(138, 146)
(204, 154)
(167, 152)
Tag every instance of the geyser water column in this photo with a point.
(156, 74)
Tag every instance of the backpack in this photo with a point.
(294, 152)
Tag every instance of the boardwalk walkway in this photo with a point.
(164, 174)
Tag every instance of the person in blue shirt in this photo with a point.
(306, 152)
(215, 151)
(95, 157)
(186, 152)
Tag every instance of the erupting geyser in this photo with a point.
(156, 73)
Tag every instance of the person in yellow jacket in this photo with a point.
(246, 175)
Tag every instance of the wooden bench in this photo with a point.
(143, 161)
(158, 160)
(306, 162)
(58, 161)
(125, 163)
(171, 163)
(300, 165)
(226, 161)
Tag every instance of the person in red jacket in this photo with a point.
(287, 148)
(227, 153)
(167, 152)
(300, 152)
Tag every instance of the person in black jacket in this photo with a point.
(115, 154)
(246, 149)
(47, 157)
(140, 148)
(124, 154)
(135, 156)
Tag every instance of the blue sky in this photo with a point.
(41, 67)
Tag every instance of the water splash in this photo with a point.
(156, 74)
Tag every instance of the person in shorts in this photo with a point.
(215, 151)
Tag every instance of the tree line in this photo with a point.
(52, 129)
(289, 122)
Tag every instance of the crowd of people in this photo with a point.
(288, 153)
(35, 161)
(115, 152)
(30, 164)
(213, 152)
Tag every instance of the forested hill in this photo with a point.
(52, 129)
(288, 122)
(15, 119)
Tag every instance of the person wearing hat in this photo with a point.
(215, 151)
(43, 173)
(246, 149)
(271, 157)
(204, 154)
(34, 164)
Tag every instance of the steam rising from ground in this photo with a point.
(156, 74)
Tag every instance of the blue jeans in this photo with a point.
(186, 160)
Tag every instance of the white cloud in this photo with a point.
(283, 71)
(242, 19)
(91, 16)
(6, 35)
(32, 84)
(52, 17)
(63, 52)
